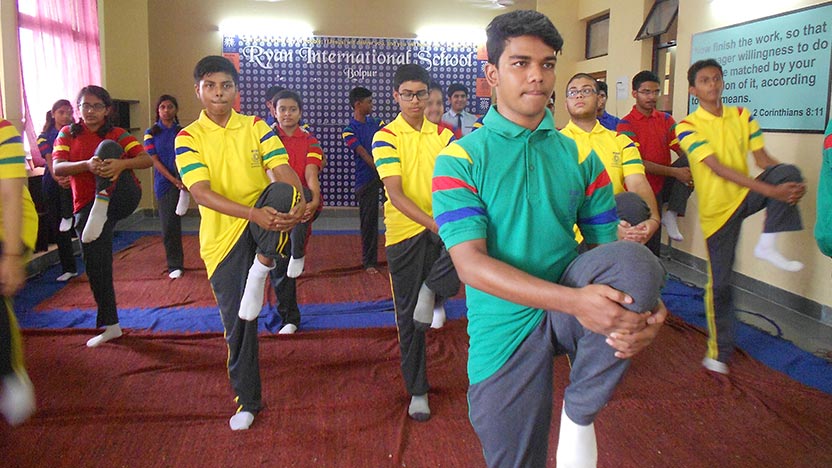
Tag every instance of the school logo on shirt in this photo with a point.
(616, 158)
(256, 160)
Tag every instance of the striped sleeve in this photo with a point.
(149, 143)
(44, 145)
(755, 134)
(131, 146)
(315, 156)
(631, 162)
(597, 219)
(386, 153)
(673, 140)
(12, 156)
(349, 138)
(692, 143)
(274, 154)
(189, 160)
(457, 206)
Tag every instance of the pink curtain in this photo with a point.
(59, 55)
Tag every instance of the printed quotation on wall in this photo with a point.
(323, 70)
(778, 67)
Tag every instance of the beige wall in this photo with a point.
(150, 46)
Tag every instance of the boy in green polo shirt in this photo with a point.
(421, 272)
(223, 158)
(506, 198)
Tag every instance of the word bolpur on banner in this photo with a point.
(323, 70)
(778, 67)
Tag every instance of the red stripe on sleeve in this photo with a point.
(449, 183)
(602, 180)
(827, 142)
(387, 130)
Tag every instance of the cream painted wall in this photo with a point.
(800, 149)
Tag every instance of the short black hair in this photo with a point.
(435, 85)
(519, 23)
(358, 93)
(598, 84)
(699, 65)
(410, 72)
(272, 92)
(215, 64)
(287, 94)
(644, 76)
(457, 87)
(601, 87)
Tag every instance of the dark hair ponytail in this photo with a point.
(155, 129)
(50, 117)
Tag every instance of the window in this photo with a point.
(59, 55)
(659, 19)
(597, 36)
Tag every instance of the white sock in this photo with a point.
(438, 316)
(66, 276)
(767, 250)
(423, 313)
(295, 267)
(184, 203)
(577, 446)
(419, 409)
(669, 220)
(252, 301)
(18, 400)
(288, 329)
(241, 421)
(97, 218)
(110, 332)
(175, 274)
(66, 224)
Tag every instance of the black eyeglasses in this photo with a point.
(585, 92)
(420, 95)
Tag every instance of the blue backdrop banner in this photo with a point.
(323, 70)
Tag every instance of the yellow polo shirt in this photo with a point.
(13, 166)
(618, 152)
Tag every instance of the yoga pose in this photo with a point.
(100, 158)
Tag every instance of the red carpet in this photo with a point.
(141, 280)
(335, 399)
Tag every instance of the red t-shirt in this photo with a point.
(81, 148)
(303, 148)
(655, 136)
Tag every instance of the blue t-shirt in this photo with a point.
(161, 145)
(361, 134)
(609, 121)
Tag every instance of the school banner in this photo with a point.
(323, 70)
(778, 67)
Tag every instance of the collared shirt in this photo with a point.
(609, 121)
(234, 159)
(81, 148)
(13, 166)
(729, 138)
(468, 120)
(401, 150)
(357, 134)
(303, 149)
(522, 191)
(618, 153)
(655, 136)
(161, 145)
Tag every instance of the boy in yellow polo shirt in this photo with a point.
(18, 231)
(634, 200)
(421, 271)
(717, 140)
(223, 158)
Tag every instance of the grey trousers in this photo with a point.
(511, 410)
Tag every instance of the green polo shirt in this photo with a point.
(522, 191)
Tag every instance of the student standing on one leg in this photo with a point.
(506, 198)
(655, 134)
(717, 140)
(56, 192)
(421, 271)
(306, 159)
(223, 158)
(358, 136)
(171, 194)
(100, 159)
(18, 231)
(635, 202)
